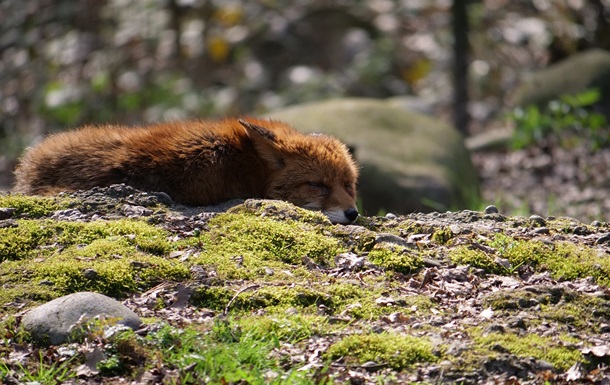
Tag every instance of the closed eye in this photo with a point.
(321, 187)
(349, 188)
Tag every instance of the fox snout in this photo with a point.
(342, 216)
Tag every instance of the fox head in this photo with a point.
(314, 171)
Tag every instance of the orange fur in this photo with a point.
(199, 162)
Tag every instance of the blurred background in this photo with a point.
(537, 139)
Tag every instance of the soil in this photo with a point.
(547, 180)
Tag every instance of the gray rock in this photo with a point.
(491, 209)
(54, 322)
(6, 212)
(537, 220)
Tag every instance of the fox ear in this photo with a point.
(266, 144)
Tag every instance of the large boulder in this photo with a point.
(409, 161)
(582, 71)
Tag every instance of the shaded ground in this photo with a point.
(548, 181)
(465, 297)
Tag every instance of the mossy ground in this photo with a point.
(397, 351)
(268, 272)
(562, 353)
(33, 207)
(563, 260)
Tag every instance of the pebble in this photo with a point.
(580, 230)
(491, 209)
(537, 220)
(604, 238)
(6, 223)
(390, 216)
(90, 274)
(390, 238)
(542, 230)
(6, 212)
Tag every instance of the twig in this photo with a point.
(226, 311)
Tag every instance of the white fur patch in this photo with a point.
(336, 216)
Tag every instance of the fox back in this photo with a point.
(199, 162)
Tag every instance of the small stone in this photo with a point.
(292, 311)
(90, 274)
(4, 224)
(68, 215)
(390, 238)
(596, 223)
(604, 328)
(517, 323)
(136, 211)
(537, 220)
(6, 212)
(491, 209)
(390, 216)
(580, 230)
(542, 230)
(603, 239)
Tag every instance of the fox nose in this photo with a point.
(351, 214)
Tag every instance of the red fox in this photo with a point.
(199, 162)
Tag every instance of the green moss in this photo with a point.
(522, 298)
(280, 210)
(569, 261)
(520, 252)
(564, 260)
(566, 307)
(212, 297)
(442, 235)
(38, 238)
(528, 345)
(33, 207)
(395, 350)
(113, 258)
(243, 246)
(464, 255)
(401, 260)
(266, 297)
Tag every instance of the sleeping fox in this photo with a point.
(199, 162)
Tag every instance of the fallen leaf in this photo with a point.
(487, 313)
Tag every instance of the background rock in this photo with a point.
(584, 70)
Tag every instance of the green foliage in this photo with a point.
(566, 120)
(45, 374)
(224, 354)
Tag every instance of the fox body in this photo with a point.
(199, 162)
